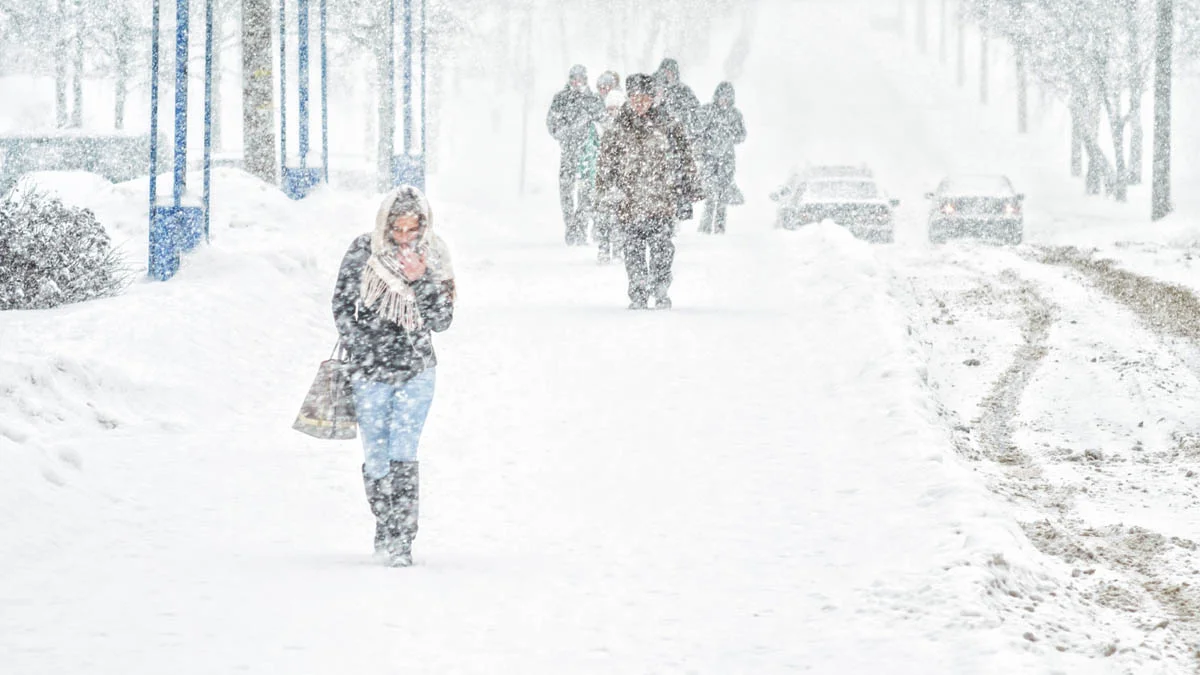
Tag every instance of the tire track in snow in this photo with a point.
(1168, 310)
(1129, 569)
(1000, 406)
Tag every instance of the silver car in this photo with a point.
(984, 207)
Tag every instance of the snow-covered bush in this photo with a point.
(53, 254)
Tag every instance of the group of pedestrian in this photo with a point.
(634, 162)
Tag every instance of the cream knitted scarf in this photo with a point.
(383, 282)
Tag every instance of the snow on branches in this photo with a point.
(52, 254)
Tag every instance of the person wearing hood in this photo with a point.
(608, 87)
(676, 98)
(646, 169)
(721, 128)
(394, 289)
(572, 120)
(608, 234)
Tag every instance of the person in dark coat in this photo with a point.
(394, 289)
(573, 114)
(646, 168)
(608, 235)
(721, 127)
(677, 100)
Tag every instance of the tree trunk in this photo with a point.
(1161, 188)
(1137, 88)
(369, 107)
(1116, 125)
(648, 48)
(1097, 166)
(1099, 171)
(942, 32)
(564, 40)
(121, 88)
(527, 82)
(77, 102)
(922, 27)
(1022, 93)
(61, 116)
(258, 112)
(962, 46)
(983, 68)
(216, 85)
(1089, 129)
(1076, 141)
(1137, 138)
(386, 140)
(614, 42)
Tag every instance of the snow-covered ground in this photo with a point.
(831, 456)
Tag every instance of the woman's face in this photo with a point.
(406, 229)
(641, 103)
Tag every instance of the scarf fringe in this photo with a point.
(399, 301)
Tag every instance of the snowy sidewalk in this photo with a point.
(753, 481)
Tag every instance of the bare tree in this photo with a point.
(1095, 54)
(118, 36)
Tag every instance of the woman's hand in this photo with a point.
(412, 263)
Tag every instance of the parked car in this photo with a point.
(858, 204)
(984, 207)
(820, 172)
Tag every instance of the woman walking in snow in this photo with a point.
(394, 289)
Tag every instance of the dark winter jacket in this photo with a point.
(676, 98)
(572, 115)
(681, 103)
(646, 167)
(721, 128)
(378, 349)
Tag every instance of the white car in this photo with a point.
(856, 203)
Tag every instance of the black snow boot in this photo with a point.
(402, 521)
(380, 498)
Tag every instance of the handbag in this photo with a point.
(328, 409)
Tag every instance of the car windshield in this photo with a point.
(837, 171)
(977, 186)
(842, 189)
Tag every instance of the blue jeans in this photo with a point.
(390, 419)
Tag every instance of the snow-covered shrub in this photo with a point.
(53, 254)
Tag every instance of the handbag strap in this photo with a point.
(339, 351)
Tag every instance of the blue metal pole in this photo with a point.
(208, 113)
(181, 97)
(154, 49)
(408, 76)
(325, 87)
(390, 90)
(282, 89)
(424, 90)
(303, 77)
